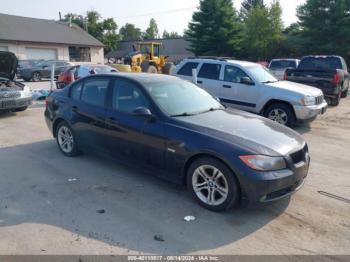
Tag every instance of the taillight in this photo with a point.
(336, 79)
(46, 103)
(285, 77)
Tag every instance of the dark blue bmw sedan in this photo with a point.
(176, 130)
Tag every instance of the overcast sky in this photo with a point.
(137, 12)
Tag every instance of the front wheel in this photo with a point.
(66, 140)
(281, 113)
(335, 101)
(20, 109)
(212, 184)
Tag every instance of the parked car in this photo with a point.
(42, 70)
(172, 128)
(328, 73)
(76, 72)
(13, 95)
(278, 66)
(251, 87)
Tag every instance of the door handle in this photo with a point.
(199, 82)
(227, 86)
(75, 109)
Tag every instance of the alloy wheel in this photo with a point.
(210, 185)
(278, 115)
(65, 139)
(36, 77)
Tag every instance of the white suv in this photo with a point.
(251, 87)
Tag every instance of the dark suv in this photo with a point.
(42, 70)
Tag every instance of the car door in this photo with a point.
(235, 93)
(209, 78)
(88, 111)
(46, 70)
(136, 138)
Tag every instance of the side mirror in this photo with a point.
(142, 112)
(247, 81)
(92, 72)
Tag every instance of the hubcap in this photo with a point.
(65, 139)
(36, 76)
(210, 185)
(278, 115)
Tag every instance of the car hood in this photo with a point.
(250, 132)
(296, 87)
(8, 65)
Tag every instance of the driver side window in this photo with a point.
(127, 96)
(233, 74)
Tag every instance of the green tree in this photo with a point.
(129, 32)
(103, 30)
(215, 29)
(170, 35)
(325, 26)
(263, 31)
(247, 5)
(152, 30)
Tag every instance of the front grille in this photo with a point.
(319, 100)
(9, 94)
(300, 156)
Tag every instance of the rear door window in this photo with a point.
(186, 69)
(94, 91)
(210, 71)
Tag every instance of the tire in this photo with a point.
(168, 69)
(148, 68)
(20, 109)
(36, 77)
(345, 93)
(335, 101)
(281, 113)
(69, 148)
(225, 189)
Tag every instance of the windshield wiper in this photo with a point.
(182, 114)
(269, 82)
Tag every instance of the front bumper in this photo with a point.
(309, 113)
(6, 104)
(262, 187)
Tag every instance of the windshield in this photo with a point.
(261, 74)
(276, 64)
(177, 97)
(104, 69)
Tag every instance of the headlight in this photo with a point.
(264, 163)
(308, 101)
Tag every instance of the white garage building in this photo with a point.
(32, 38)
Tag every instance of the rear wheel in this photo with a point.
(146, 67)
(36, 77)
(335, 101)
(168, 69)
(212, 184)
(345, 93)
(66, 140)
(281, 113)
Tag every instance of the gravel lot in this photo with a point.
(42, 211)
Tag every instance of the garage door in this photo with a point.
(41, 53)
(3, 48)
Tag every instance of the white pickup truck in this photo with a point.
(251, 87)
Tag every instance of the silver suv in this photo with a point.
(251, 87)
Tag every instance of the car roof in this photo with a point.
(284, 59)
(229, 61)
(142, 78)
